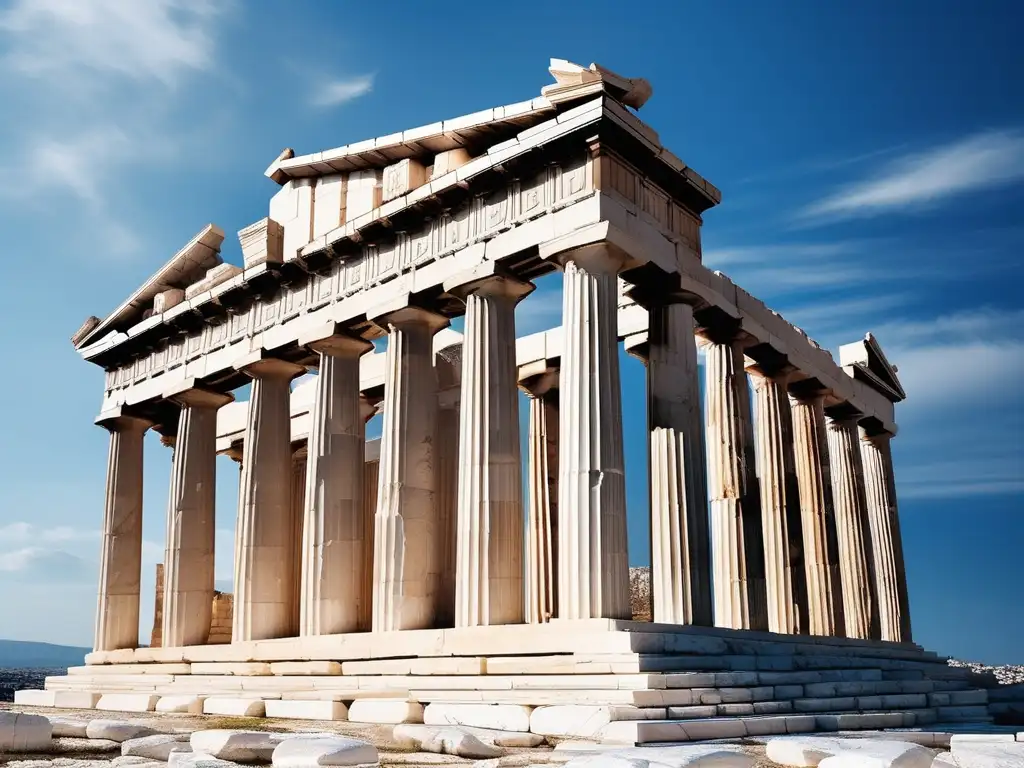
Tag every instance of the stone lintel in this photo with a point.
(258, 362)
(843, 411)
(488, 278)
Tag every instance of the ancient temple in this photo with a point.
(408, 577)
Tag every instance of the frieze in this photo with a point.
(479, 218)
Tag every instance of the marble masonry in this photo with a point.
(442, 568)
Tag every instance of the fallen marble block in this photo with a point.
(683, 756)
(156, 747)
(313, 751)
(504, 717)
(237, 746)
(116, 730)
(24, 733)
(988, 754)
(76, 745)
(410, 736)
(867, 753)
(68, 727)
(444, 740)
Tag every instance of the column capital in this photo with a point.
(120, 419)
(260, 365)
(541, 384)
(188, 394)
(872, 430)
(235, 452)
(403, 311)
(638, 345)
(488, 279)
(807, 390)
(596, 258)
(368, 407)
(330, 339)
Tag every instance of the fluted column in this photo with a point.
(738, 558)
(680, 535)
(780, 504)
(369, 512)
(888, 569)
(117, 611)
(448, 366)
(593, 565)
(333, 525)
(489, 550)
(851, 524)
(191, 521)
(406, 572)
(817, 516)
(265, 549)
(542, 512)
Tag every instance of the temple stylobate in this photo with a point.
(443, 549)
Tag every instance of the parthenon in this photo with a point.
(439, 566)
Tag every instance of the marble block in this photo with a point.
(402, 177)
(181, 703)
(127, 702)
(314, 709)
(24, 733)
(236, 706)
(387, 711)
(323, 749)
(502, 717)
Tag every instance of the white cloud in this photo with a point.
(977, 162)
(335, 92)
(21, 533)
(68, 40)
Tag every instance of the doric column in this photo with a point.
(817, 513)
(406, 572)
(368, 410)
(780, 502)
(851, 524)
(265, 549)
(191, 521)
(886, 541)
(117, 612)
(593, 564)
(542, 512)
(680, 535)
(489, 528)
(738, 557)
(333, 526)
(448, 366)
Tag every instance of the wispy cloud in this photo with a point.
(981, 161)
(334, 92)
(64, 40)
(23, 533)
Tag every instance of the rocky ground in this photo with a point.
(73, 739)
(1007, 674)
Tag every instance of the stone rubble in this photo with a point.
(1005, 674)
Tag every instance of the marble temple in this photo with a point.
(382, 580)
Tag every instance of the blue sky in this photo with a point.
(871, 159)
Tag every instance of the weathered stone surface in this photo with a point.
(72, 745)
(181, 703)
(236, 706)
(296, 709)
(688, 756)
(238, 746)
(581, 721)
(24, 733)
(116, 730)
(447, 740)
(134, 761)
(411, 735)
(198, 760)
(312, 751)
(852, 753)
(387, 711)
(156, 747)
(66, 726)
(127, 702)
(987, 754)
(502, 717)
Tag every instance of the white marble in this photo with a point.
(780, 510)
(265, 546)
(117, 613)
(740, 597)
(191, 521)
(406, 566)
(20, 732)
(680, 535)
(888, 569)
(333, 527)
(489, 548)
(542, 510)
(593, 568)
(817, 517)
(851, 525)
(310, 751)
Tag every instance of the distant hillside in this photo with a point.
(19, 654)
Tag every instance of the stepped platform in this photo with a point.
(611, 681)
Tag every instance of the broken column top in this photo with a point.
(631, 91)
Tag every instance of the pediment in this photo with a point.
(866, 361)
